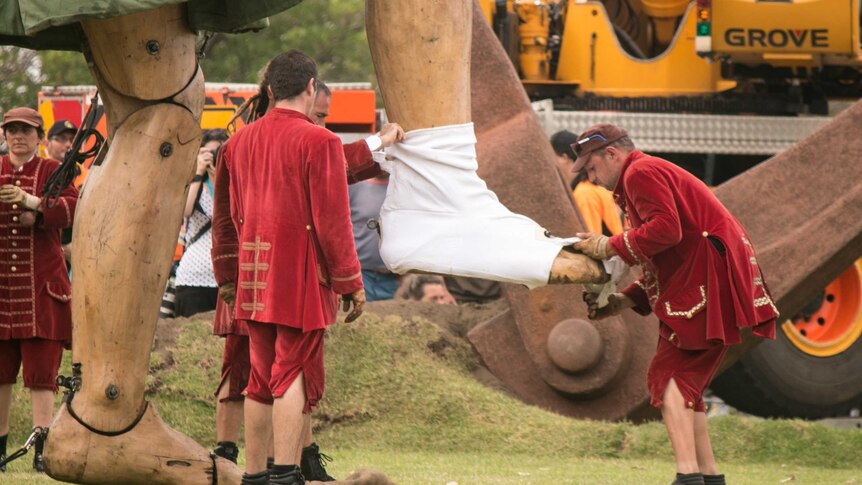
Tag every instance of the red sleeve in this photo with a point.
(360, 164)
(639, 296)
(225, 250)
(330, 211)
(63, 213)
(652, 199)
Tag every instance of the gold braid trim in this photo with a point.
(347, 278)
(691, 311)
(630, 249)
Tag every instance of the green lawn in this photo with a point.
(498, 469)
(394, 404)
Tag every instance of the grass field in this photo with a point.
(395, 404)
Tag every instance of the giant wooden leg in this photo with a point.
(421, 52)
(125, 232)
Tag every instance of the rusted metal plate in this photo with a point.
(499, 343)
(803, 211)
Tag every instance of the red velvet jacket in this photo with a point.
(700, 292)
(34, 283)
(281, 222)
(360, 166)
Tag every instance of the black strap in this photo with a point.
(200, 233)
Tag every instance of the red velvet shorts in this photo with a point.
(692, 370)
(235, 367)
(41, 359)
(279, 355)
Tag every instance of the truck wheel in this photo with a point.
(812, 368)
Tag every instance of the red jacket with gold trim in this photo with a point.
(700, 272)
(360, 166)
(281, 222)
(34, 283)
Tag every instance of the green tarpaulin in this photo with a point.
(53, 24)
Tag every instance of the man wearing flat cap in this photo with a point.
(700, 277)
(59, 139)
(35, 312)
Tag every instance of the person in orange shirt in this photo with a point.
(595, 204)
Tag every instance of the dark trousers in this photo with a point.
(190, 300)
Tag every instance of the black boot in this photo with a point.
(286, 475)
(3, 451)
(714, 480)
(227, 450)
(259, 478)
(688, 479)
(313, 464)
(38, 462)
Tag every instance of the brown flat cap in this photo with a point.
(23, 115)
(594, 138)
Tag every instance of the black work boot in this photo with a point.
(286, 475)
(259, 478)
(313, 464)
(714, 480)
(3, 451)
(227, 450)
(38, 462)
(688, 479)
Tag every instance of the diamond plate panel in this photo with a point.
(689, 133)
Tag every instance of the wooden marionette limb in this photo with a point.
(421, 53)
(125, 232)
(576, 268)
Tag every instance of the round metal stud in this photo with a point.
(166, 149)
(153, 47)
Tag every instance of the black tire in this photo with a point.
(777, 380)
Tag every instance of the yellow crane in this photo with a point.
(728, 56)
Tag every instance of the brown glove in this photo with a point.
(594, 245)
(617, 302)
(358, 300)
(227, 292)
(12, 194)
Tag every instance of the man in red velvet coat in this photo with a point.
(35, 308)
(236, 362)
(700, 277)
(284, 244)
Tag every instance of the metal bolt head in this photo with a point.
(112, 391)
(153, 47)
(166, 149)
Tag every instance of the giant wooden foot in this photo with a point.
(125, 232)
(571, 268)
(149, 453)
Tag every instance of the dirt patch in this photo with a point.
(167, 331)
(457, 319)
